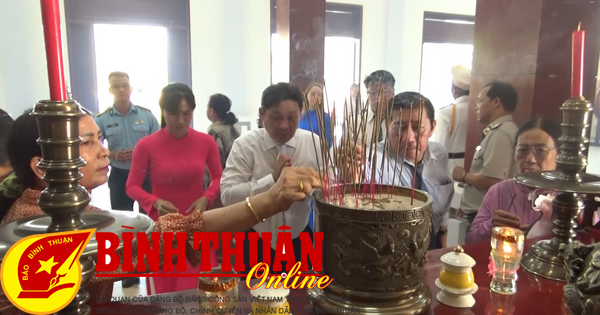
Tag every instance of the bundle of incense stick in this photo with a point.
(342, 169)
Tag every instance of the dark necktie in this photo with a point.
(380, 136)
(419, 179)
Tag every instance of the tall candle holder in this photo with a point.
(64, 200)
(569, 181)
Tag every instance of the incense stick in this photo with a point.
(420, 114)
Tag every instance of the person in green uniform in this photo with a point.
(493, 159)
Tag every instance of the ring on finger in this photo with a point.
(301, 186)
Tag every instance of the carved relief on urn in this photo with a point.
(376, 254)
(582, 291)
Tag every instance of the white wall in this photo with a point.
(393, 35)
(23, 72)
(230, 52)
(405, 36)
(230, 55)
(374, 34)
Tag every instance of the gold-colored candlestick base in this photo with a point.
(569, 180)
(542, 259)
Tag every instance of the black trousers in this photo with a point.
(435, 240)
(118, 197)
(470, 217)
(297, 251)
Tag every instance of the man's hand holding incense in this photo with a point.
(287, 188)
(349, 163)
(282, 162)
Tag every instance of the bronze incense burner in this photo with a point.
(375, 256)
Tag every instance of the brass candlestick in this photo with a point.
(64, 200)
(543, 259)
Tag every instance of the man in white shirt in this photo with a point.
(380, 90)
(405, 136)
(451, 129)
(258, 157)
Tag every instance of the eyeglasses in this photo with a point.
(539, 151)
(375, 92)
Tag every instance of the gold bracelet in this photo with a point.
(252, 210)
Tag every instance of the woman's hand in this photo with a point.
(200, 204)
(287, 189)
(164, 207)
(503, 218)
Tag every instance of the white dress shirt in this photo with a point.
(453, 139)
(437, 180)
(249, 169)
(369, 127)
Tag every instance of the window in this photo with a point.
(91, 51)
(139, 46)
(343, 34)
(447, 41)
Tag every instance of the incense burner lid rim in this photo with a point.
(318, 193)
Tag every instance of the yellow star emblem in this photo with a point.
(47, 265)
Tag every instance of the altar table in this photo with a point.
(535, 295)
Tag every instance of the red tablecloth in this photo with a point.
(535, 295)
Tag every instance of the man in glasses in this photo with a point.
(380, 92)
(493, 160)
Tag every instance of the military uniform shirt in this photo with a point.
(124, 132)
(452, 132)
(494, 158)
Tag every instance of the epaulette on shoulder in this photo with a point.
(447, 106)
(142, 107)
(104, 112)
(495, 126)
